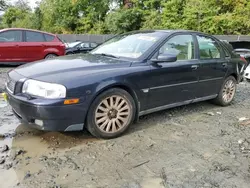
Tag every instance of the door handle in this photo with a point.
(194, 67)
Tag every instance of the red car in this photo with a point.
(24, 45)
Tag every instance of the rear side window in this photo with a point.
(209, 49)
(11, 36)
(34, 37)
(49, 38)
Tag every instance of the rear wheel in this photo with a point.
(111, 113)
(50, 56)
(227, 92)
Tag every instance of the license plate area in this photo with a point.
(5, 97)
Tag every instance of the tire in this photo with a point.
(227, 92)
(248, 80)
(69, 53)
(111, 113)
(50, 56)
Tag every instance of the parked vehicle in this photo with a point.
(247, 73)
(245, 55)
(24, 45)
(80, 47)
(130, 75)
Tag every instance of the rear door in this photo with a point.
(35, 45)
(12, 46)
(175, 82)
(213, 66)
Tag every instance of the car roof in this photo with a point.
(24, 29)
(171, 31)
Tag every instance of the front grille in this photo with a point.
(11, 85)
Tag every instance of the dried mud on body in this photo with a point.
(199, 145)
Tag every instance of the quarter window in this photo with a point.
(208, 48)
(182, 46)
(11, 36)
(49, 38)
(34, 37)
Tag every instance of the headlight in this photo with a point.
(43, 89)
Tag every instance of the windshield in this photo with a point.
(129, 45)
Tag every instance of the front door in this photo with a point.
(11, 46)
(174, 82)
(213, 66)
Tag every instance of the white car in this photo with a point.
(245, 55)
(247, 73)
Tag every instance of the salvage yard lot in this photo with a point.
(199, 145)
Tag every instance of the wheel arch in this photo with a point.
(126, 88)
(51, 53)
(234, 75)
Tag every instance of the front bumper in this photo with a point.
(54, 116)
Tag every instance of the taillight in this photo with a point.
(243, 59)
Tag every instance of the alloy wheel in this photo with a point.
(228, 91)
(112, 114)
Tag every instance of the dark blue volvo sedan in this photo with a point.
(126, 77)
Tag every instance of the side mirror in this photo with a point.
(164, 58)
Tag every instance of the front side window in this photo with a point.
(181, 46)
(129, 45)
(11, 36)
(209, 49)
(34, 37)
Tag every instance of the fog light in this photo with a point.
(39, 122)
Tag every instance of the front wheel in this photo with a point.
(111, 113)
(227, 92)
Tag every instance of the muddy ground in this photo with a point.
(195, 146)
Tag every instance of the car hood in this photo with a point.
(86, 64)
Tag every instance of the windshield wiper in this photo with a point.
(108, 55)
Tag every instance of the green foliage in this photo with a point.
(124, 20)
(114, 16)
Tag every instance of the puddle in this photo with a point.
(35, 144)
(8, 178)
(3, 103)
(152, 183)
